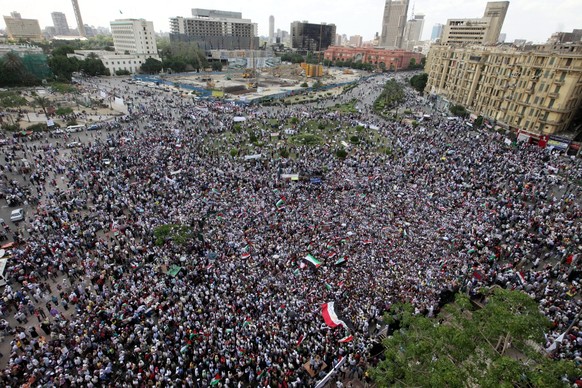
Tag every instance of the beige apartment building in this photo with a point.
(537, 90)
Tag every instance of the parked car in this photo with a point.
(94, 127)
(58, 131)
(74, 144)
(17, 215)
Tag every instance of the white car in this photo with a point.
(17, 215)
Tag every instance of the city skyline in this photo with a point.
(533, 20)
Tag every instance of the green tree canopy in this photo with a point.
(419, 81)
(391, 96)
(459, 110)
(492, 346)
(151, 66)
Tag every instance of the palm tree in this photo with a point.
(41, 101)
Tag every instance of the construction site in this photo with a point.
(249, 84)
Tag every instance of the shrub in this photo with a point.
(359, 128)
(11, 127)
(62, 111)
(236, 128)
(341, 153)
(284, 153)
(38, 127)
(304, 85)
(71, 122)
(321, 126)
(294, 120)
(354, 140)
(233, 152)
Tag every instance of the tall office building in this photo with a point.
(478, 31)
(312, 37)
(437, 31)
(215, 30)
(394, 23)
(356, 41)
(19, 28)
(134, 36)
(413, 31)
(80, 25)
(495, 12)
(271, 29)
(60, 23)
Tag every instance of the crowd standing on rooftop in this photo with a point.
(92, 299)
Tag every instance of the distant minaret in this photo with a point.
(80, 25)
(271, 29)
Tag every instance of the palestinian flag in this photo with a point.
(347, 338)
(329, 316)
(313, 261)
(215, 380)
(341, 260)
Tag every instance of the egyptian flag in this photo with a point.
(347, 338)
(300, 339)
(246, 255)
(520, 278)
(367, 242)
(340, 261)
(313, 261)
(329, 316)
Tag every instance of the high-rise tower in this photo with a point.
(394, 23)
(60, 23)
(271, 29)
(80, 25)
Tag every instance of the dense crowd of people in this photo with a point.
(231, 299)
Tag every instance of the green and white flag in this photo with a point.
(312, 260)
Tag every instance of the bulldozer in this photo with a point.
(248, 73)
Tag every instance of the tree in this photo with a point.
(216, 66)
(478, 122)
(41, 102)
(471, 346)
(151, 66)
(459, 110)
(63, 67)
(391, 95)
(419, 81)
(13, 71)
(93, 66)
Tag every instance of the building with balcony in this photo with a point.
(538, 91)
(383, 58)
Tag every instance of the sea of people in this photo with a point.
(98, 295)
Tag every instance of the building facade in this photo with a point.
(413, 31)
(394, 24)
(80, 25)
(356, 41)
(478, 31)
(60, 23)
(312, 37)
(25, 29)
(114, 61)
(134, 36)
(538, 91)
(437, 31)
(382, 58)
(271, 29)
(215, 30)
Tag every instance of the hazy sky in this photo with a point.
(533, 20)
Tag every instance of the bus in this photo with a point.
(75, 128)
